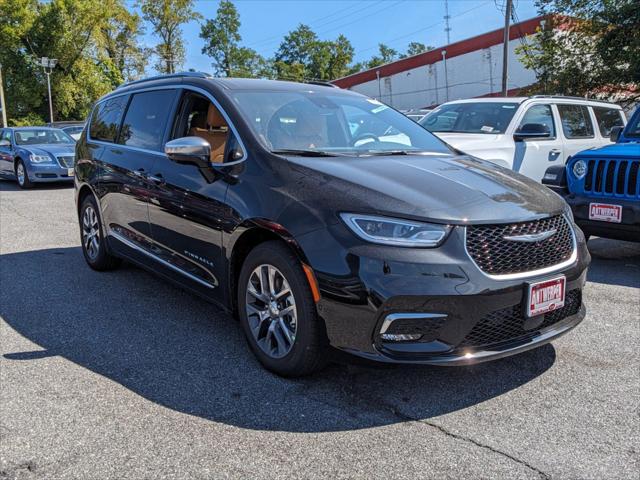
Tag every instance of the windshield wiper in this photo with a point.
(392, 152)
(305, 153)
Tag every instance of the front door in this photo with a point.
(6, 153)
(533, 156)
(187, 211)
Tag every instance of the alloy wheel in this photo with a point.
(20, 173)
(271, 311)
(90, 232)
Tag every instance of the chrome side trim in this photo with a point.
(130, 244)
(389, 319)
(532, 273)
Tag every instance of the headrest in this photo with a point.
(215, 118)
(199, 120)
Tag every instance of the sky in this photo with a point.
(364, 22)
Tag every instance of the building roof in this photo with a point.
(486, 40)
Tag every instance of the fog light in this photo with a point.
(400, 337)
(580, 169)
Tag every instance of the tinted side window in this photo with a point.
(607, 118)
(5, 135)
(146, 119)
(540, 114)
(106, 119)
(576, 122)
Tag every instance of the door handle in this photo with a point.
(158, 179)
(555, 151)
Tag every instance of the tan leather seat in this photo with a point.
(214, 129)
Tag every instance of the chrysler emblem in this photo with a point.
(532, 237)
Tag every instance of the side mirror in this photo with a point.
(193, 150)
(531, 130)
(5, 143)
(614, 134)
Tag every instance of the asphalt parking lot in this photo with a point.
(121, 375)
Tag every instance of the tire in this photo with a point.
(22, 177)
(94, 246)
(303, 350)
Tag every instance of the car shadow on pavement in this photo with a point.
(614, 262)
(178, 351)
(9, 185)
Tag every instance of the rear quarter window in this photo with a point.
(106, 118)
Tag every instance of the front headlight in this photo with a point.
(39, 158)
(397, 232)
(580, 169)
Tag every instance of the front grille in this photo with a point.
(509, 324)
(497, 256)
(66, 161)
(613, 178)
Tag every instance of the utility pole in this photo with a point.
(447, 17)
(2, 104)
(446, 75)
(48, 64)
(505, 48)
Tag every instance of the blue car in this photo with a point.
(36, 154)
(602, 185)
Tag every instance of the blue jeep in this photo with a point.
(603, 185)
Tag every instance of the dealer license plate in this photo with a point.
(605, 212)
(545, 296)
(70, 172)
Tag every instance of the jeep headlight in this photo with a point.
(394, 231)
(580, 169)
(33, 158)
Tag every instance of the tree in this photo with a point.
(118, 43)
(303, 56)
(386, 54)
(166, 17)
(222, 43)
(588, 47)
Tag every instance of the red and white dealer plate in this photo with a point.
(545, 296)
(605, 212)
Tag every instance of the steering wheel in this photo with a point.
(364, 136)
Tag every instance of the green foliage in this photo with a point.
(222, 44)
(166, 18)
(70, 31)
(596, 53)
(303, 56)
(386, 54)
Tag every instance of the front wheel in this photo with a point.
(278, 313)
(22, 176)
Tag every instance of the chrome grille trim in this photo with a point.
(531, 273)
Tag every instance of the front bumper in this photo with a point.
(627, 229)
(375, 282)
(42, 173)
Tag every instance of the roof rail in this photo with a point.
(321, 82)
(169, 75)
(571, 98)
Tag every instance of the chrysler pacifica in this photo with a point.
(325, 220)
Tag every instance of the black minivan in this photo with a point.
(324, 219)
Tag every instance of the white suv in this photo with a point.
(527, 134)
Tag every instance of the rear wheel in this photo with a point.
(277, 312)
(94, 246)
(22, 176)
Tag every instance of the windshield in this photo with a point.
(480, 117)
(338, 123)
(72, 130)
(633, 129)
(41, 136)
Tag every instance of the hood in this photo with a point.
(468, 142)
(446, 189)
(50, 149)
(615, 149)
